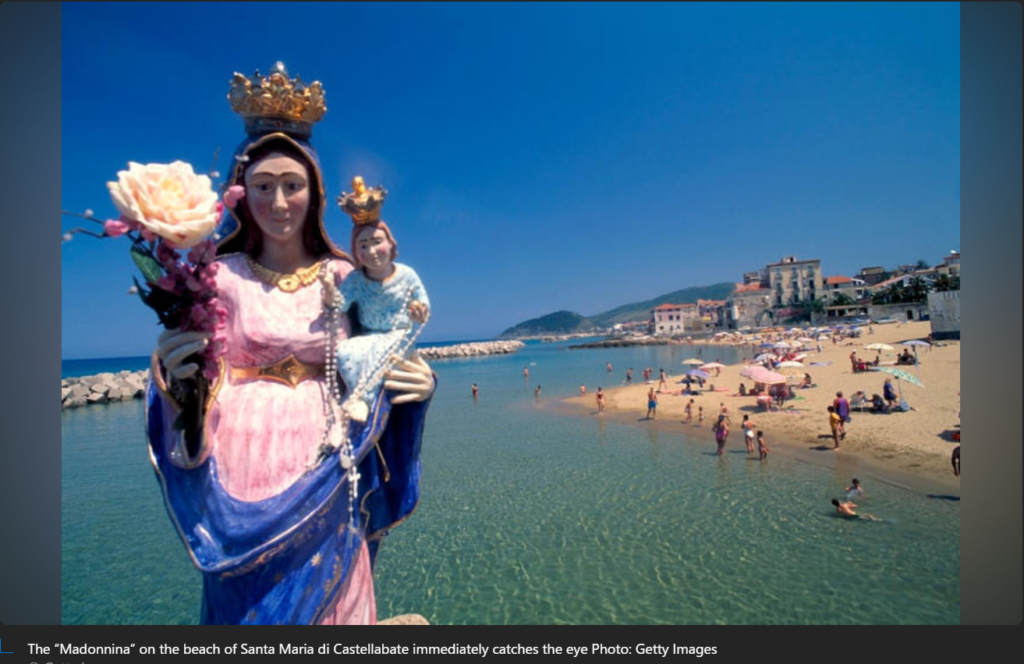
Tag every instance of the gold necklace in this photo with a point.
(289, 283)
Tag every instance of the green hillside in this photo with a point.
(560, 322)
(568, 322)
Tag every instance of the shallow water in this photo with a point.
(529, 516)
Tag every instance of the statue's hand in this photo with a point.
(174, 347)
(418, 311)
(329, 291)
(412, 378)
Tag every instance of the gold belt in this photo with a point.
(289, 371)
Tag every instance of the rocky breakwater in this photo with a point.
(102, 388)
(471, 349)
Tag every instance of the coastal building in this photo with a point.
(747, 306)
(950, 265)
(711, 313)
(673, 319)
(793, 281)
(872, 275)
(853, 288)
(944, 314)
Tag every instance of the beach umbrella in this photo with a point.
(915, 343)
(712, 365)
(790, 364)
(766, 345)
(900, 375)
(764, 356)
(748, 371)
(805, 340)
(782, 344)
(697, 373)
(877, 346)
(770, 378)
(762, 375)
(693, 360)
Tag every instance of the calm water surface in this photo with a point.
(529, 516)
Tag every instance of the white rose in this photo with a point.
(168, 199)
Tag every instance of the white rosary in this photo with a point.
(336, 431)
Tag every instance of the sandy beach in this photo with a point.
(911, 448)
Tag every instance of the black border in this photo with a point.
(991, 558)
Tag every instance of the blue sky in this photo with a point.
(540, 156)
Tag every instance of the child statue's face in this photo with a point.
(373, 251)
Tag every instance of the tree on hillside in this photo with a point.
(944, 283)
(916, 290)
(922, 264)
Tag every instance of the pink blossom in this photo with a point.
(166, 255)
(148, 235)
(115, 228)
(234, 194)
(167, 283)
(193, 284)
(199, 316)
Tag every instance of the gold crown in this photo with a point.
(277, 103)
(363, 204)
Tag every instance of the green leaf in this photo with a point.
(150, 269)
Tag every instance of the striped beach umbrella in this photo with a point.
(901, 375)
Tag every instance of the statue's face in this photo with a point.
(277, 193)
(374, 251)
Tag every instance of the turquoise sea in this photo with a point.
(535, 513)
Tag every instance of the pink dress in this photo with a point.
(264, 434)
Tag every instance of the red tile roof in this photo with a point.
(837, 280)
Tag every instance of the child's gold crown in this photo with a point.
(363, 204)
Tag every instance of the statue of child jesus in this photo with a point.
(391, 303)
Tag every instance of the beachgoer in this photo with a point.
(853, 360)
(807, 382)
(629, 376)
(662, 383)
(762, 447)
(743, 389)
(476, 390)
(834, 422)
(721, 429)
(955, 460)
(609, 365)
(842, 407)
(889, 393)
(652, 404)
(855, 490)
(248, 483)
(536, 391)
(389, 298)
(583, 390)
(526, 373)
(688, 411)
(600, 400)
(700, 414)
(848, 509)
(748, 433)
(723, 410)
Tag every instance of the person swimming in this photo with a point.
(848, 509)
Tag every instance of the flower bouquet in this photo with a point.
(166, 209)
